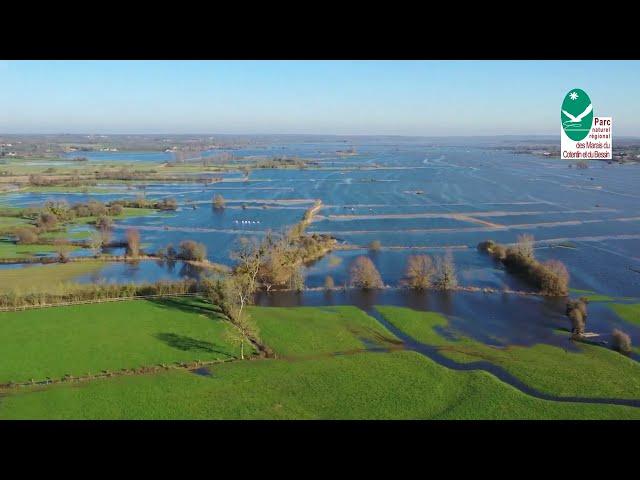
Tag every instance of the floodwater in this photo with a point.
(414, 198)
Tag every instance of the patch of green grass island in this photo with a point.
(593, 371)
(629, 312)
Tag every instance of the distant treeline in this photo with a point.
(36, 180)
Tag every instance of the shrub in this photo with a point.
(191, 250)
(486, 246)
(104, 222)
(47, 221)
(26, 235)
(116, 210)
(554, 278)
(419, 272)
(499, 253)
(167, 204)
(363, 274)
(62, 249)
(218, 202)
(620, 341)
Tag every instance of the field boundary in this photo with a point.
(97, 300)
(145, 370)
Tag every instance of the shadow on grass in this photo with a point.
(188, 305)
(189, 344)
(373, 336)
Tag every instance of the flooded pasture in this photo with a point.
(413, 198)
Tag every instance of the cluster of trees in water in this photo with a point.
(187, 250)
(550, 277)
(422, 272)
(169, 203)
(576, 310)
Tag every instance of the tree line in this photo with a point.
(550, 277)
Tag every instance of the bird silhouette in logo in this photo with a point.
(574, 121)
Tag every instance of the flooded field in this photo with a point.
(412, 198)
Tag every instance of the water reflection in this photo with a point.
(494, 318)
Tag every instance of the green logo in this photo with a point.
(577, 114)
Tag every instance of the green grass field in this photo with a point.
(628, 312)
(75, 340)
(8, 224)
(45, 278)
(321, 371)
(398, 385)
(594, 371)
(11, 250)
(295, 331)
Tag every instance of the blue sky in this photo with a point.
(324, 97)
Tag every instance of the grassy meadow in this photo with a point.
(593, 371)
(80, 339)
(322, 369)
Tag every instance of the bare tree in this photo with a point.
(329, 284)
(62, 249)
(524, 246)
(241, 330)
(133, 242)
(243, 284)
(445, 276)
(106, 236)
(364, 274)
(296, 281)
(95, 242)
(577, 322)
(419, 272)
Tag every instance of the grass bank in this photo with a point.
(593, 371)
